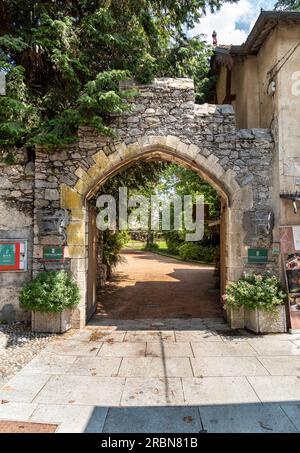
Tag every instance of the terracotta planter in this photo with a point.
(236, 318)
(51, 322)
(260, 321)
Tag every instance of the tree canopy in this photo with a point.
(289, 5)
(64, 60)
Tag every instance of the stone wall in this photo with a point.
(16, 222)
(165, 124)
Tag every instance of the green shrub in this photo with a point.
(173, 241)
(113, 242)
(151, 247)
(51, 291)
(189, 251)
(255, 291)
(197, 252)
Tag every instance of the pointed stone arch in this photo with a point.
(107, 163)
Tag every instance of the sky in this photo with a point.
(233, 21)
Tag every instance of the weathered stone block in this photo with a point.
(236, 318)
(51, 194)
(260, 321)
(70, 198)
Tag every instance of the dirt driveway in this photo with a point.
(148, 285)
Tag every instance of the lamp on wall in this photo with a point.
(294, 197)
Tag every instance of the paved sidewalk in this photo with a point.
(160, 376)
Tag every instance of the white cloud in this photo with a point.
(225, 21)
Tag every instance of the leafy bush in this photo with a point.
(173, 241)
(197, 252)
(189, 251)
(152, 247)
(113, 242)
(255, 291)
(51, 291)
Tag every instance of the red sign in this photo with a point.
(9, 256)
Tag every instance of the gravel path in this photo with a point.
(147, 285)
(18, 345)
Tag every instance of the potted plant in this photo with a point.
(262, 302)
(51, 296)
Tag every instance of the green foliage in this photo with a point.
(52, 291)
(64, 60)
(152, 247)
(9, 159)
(192, 251)
(113, 242)
(255, 291)
(290, 5)
(175, 178)
(174, 241)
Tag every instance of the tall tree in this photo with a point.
(289, 5)
(64, 60)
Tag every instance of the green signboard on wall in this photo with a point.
(53, 253)
(7, 254)
(257, 256)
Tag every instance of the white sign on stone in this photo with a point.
(2, 84)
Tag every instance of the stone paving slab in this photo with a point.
(220, 349)
(194, 335)
(145, 336)
(49, 363)
(98, 335)
(218, 390)
(95, 366)
(75, 348)
(282, 365)
(16, 411)
(87, 379)
(72, 419)
(274, 389)
(153, 420)
(155, 367)
(275, 347)
(293, 412)
(152, 392)
(23, 387)
(228, 366)
(123, 350)
(167, 349)
(249, 418)
(87, 390)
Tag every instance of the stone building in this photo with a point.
(46, 198)
(261, 79)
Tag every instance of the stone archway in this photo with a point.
(169, 148)
(166, 124)
(48, 197)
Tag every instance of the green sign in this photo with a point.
(53, 253)
(7, 254)
(257, 256)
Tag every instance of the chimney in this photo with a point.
(215, 38)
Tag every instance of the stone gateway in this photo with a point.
(46, 200)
